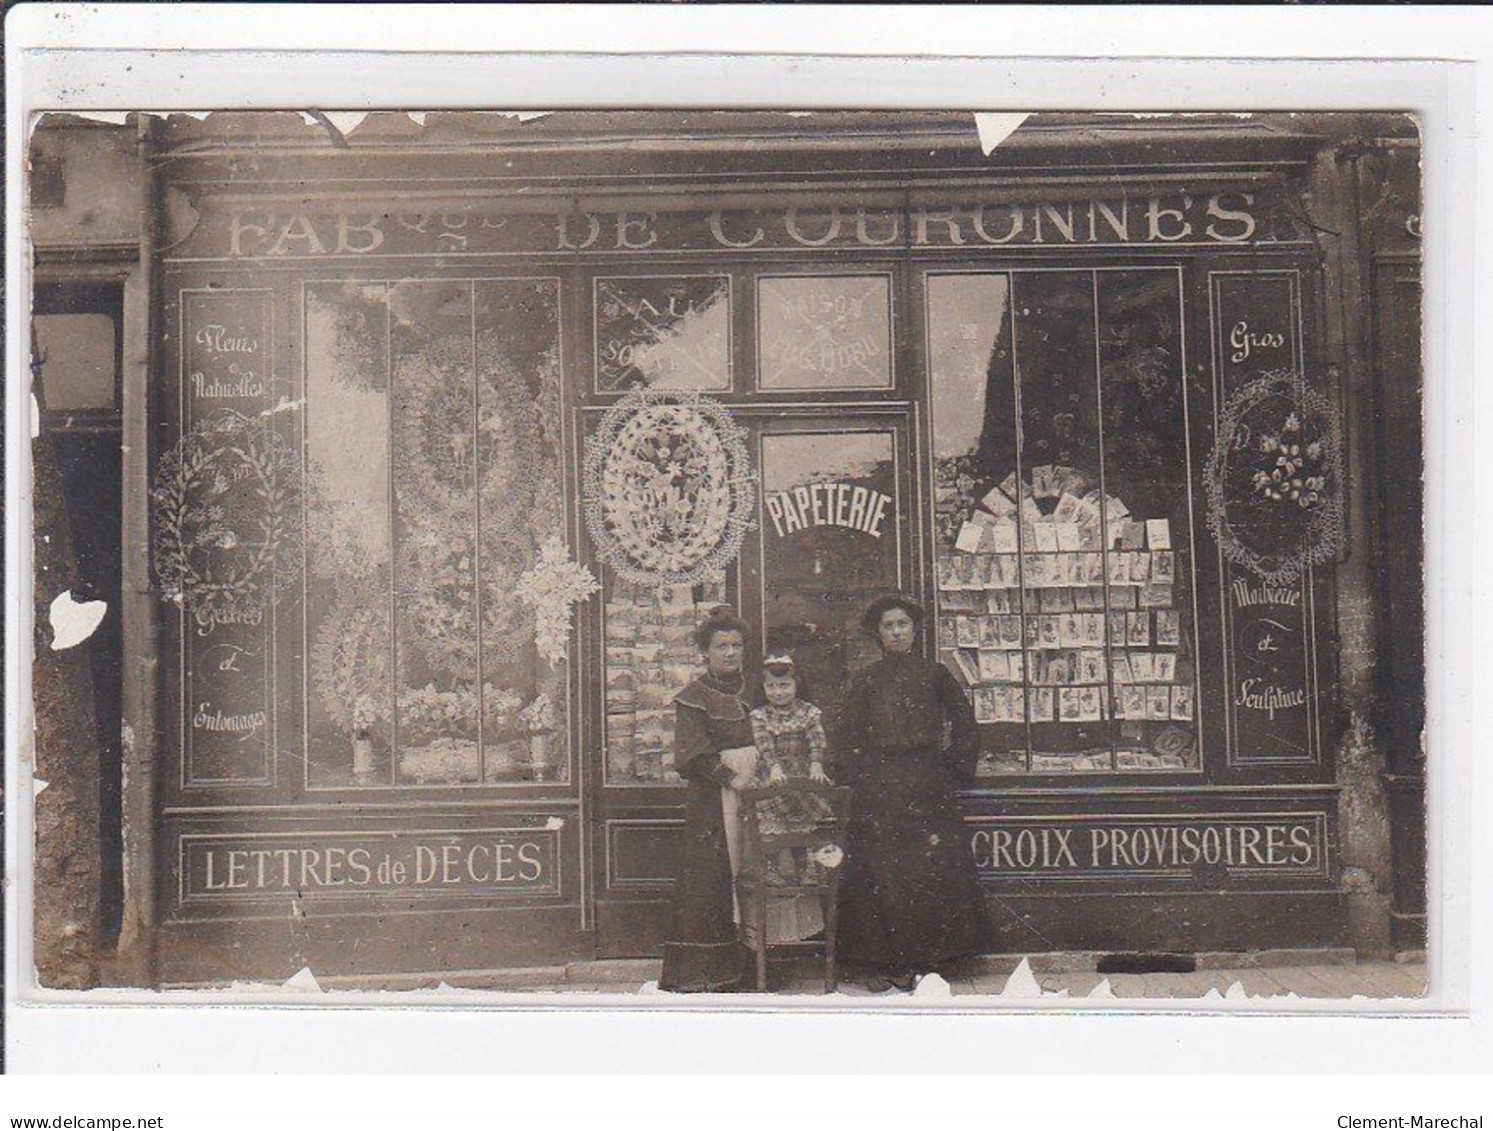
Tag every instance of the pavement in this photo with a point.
(1330, 974)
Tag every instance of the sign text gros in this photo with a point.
(1164, 218)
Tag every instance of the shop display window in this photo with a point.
(824, 332)
(433, 474)
(650, 656)
(663, 332)
(1063, 526)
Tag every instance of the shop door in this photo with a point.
(836, 526)
(835, 529)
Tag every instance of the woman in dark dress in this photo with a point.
(912, 900)
(715, 755)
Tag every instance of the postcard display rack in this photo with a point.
(650, 655)
(1054, 609)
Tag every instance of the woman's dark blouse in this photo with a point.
(901, 703)
(710, 716)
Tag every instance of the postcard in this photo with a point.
(968, 668)
(1070, 705)
(1002, 538)
(1048, 632)
(1067, 510)
(967, 631)
(1159, 533)
(1059, 669)
(1138, 628)
(1091, 628)
(1090, 704)
(993, 667)
(1010, 631)
(1168, 627)
(998, 502)
(1091, 667)
(1039, 704)
(1163, 566)
(1155, 596)
(1158, 703)
(989, 632)
(948, 632)
(1182, 703)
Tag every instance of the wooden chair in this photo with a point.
(754, 889)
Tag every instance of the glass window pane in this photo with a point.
(78, 367)
(666, 332)
(1063, 527)
(976, 547)
(1145, 463)
(824, 332)
(1061, 481)
(433, 457)
(830, 535)
(349, 577)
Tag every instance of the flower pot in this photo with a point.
(363, 768)
(539, 756)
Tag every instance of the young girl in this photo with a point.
(789, 735)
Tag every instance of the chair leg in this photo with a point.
(831, 926)
(762, 945)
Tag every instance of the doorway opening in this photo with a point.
(79, 341)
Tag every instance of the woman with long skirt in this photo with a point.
(715, 755)
(912, 900)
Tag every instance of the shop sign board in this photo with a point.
(418, 864)
(299, 229)
(1101, 846)
(1269, 631)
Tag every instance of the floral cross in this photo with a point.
(552, 586)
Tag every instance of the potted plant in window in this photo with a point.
(364, 713)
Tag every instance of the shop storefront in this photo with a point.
(454, 434)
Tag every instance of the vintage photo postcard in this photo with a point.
(853, 553)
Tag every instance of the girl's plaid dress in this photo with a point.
(789, 737)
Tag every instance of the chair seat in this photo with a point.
(755, 891)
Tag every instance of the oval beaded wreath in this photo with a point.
(670, 493)
(1275, 479)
